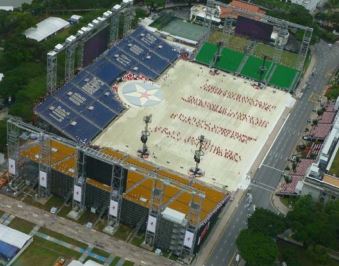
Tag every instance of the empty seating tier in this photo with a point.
(84, 106)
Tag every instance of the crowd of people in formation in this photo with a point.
(225, 111)
(194, 141)
(211, 127)
(235, 96)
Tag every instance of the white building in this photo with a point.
(310, 5)
(319, 182)
(46, 28)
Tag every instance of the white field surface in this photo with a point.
(233, 144)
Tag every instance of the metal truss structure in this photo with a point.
(43, 139)
(280, 25)
(74, 44)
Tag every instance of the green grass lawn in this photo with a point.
(128, 263)
(44, 253)
(252, 68)
(123, 232)
(53, 202)
(100, 252)
(283, 77)
(237, 43)
(115, 261)
(334, 170)
(21, 225)
(138, 240)
(64, 211)
(63, 238)
(230, 60)
(287, 58)
(206, 53)
(87, 217)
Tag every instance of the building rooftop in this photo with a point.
(46, 28)
(331, 180)
(231, 10)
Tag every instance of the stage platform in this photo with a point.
(188, 101)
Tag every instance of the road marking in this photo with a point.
(278, 134)
(262, 187)
(268, 166)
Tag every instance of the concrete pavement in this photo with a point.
(81, 233)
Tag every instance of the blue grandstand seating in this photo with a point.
(55, 113)
(155, 44)
(87, 104)
(106, 71)
(109, 99)
(99, 113)
(80, 130)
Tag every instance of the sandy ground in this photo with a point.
(235, 117)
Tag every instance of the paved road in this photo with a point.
(74, 230)
(268, 175)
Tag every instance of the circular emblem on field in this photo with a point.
(141, 93)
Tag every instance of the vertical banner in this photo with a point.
(11, 166)
(113, 208)
(151, 223)
(77, 193)
(43, 179)
(188, 241)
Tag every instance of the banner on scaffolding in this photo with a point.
(77, 193)
(113, 208)
(43, 179)
(11, 166)
(188, 241)
(151, 224)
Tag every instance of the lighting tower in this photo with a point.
(196, 171)
(262, 70)
(144, 152)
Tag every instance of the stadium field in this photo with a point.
(230, 60)
(283, 77)
(252, 68)
(206, 53)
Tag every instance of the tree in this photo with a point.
(3, 135)
(266, 222)
(153, 4)
(257, 248)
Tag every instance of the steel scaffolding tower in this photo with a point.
(78, 202)
(193, 221)
(228, 30)
(69, 62)
(128, 15)
(52, 66)
(75, 43)
(13, 149)
(304, 48)
(44, 189)
(118, 175)
(155, 209)
(115, 21)
(280, 24)
(210, 9)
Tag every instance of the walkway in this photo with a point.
(81, 233)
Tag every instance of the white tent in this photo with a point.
(46, 28)
(13, 237)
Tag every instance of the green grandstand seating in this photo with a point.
(252, 68)
(283, 77)
(206, 53)
(230, 60)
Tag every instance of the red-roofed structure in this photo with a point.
(320, 131)
(231, 10)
